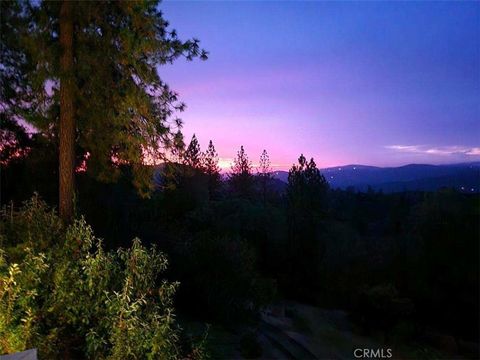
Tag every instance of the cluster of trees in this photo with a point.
(85, 75)
(235, 244)
(240, 241)
(242, 180)
(202, 163)
(228, 236)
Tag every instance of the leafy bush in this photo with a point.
(18, 295)
(68, 297)
(36, 227)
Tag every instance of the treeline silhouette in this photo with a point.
(84, 74)
(403, 264)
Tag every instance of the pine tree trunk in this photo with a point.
(67, 114)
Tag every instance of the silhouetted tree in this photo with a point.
(241, 177)
(264, 174)
(193, 156)
(99, 61)
(306, 186)
(212, 170)
(306, 201)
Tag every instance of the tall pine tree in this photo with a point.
(306, 201)
(94, 78)
(241, 176)
(211, 170)
(193, 156)
(66, 128)
(264, 174)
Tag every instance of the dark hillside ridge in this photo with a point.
(464, 177)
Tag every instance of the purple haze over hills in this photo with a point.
(382, 83)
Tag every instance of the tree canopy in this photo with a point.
(193, 154)
(241, 176)
(123, 112)
(211, 169)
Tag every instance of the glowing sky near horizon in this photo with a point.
(371, 83)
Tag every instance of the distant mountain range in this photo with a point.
(464, 177)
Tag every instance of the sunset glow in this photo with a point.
(342, 82)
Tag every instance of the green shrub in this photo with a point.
(69, 298)
(36, 227)
(18, 295)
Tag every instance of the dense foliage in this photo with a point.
(402, 264)
(241, 176)
(378, 255)
(61, 292)
(124, 111)
(124, 114)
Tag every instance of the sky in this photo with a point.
(375, 83)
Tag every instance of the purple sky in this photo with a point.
(345, 82)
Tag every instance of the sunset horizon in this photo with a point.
(238, 180)
(381, 84)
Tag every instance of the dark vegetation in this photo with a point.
(403, 264)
